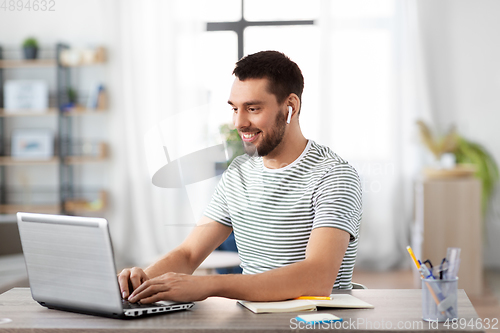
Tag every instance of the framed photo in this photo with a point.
(32, 144)
(25, 95)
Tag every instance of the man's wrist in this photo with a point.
(213, 284)
(225, 285)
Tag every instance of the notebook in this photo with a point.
(70, 267)
(293, 305)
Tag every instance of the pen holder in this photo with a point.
(439, 299)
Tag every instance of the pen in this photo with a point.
(426, 274)
(417, 263)
(439, 295)
(443, 268)
(323, 298)
(429, 270)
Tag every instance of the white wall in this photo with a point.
(87, 23)
(79, 24)
(75, 22)
(463, 60)
(461, 40)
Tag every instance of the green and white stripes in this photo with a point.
(272, 211)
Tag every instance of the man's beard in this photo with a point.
(269, 142)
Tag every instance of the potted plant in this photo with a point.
(71, 98)
(233, 142)
(486, 167)
(471, 157)
(30, 48)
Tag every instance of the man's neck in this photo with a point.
(286, 152)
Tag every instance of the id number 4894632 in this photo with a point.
(28, 5)
(479, 323)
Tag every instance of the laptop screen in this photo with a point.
(70, 261)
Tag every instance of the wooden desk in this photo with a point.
(448, 214)
(219, 314)
(218, 259)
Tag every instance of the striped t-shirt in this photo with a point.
(272, 211)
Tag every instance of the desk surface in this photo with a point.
(220, 259)
(392, 307)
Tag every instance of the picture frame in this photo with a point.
(26, 96)
(32, 144)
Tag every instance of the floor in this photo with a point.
(486, 305)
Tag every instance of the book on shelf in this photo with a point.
(345, 301)
(97, 99)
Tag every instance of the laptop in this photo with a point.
(71, 267)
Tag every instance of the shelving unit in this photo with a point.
(7, 160)
(46, 113)
(28, 63)
(13, 209)
(65, 157)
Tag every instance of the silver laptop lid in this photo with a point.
(70, 261)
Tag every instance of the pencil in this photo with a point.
(323, 298)
(433, 294)
(410, 251)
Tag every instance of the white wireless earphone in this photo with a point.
(289, 115)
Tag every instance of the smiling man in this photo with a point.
(294, 205)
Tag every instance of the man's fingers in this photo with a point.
(123, 280)
(146, 290)
(136, 279)
(155, 298)
(144, 285)
(134, 297)
(131, 279)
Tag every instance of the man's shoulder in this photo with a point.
(242, 161)
(323, 156)
(326, 163)
(243, 164)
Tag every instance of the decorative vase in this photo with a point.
(30, 52)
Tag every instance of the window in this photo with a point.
(345, 50)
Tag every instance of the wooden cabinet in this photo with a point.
(448, 214)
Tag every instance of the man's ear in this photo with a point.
(294, 101)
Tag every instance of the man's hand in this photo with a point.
(172, 287)
(205, 238)
(130, 279)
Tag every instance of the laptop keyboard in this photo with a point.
(128, 305)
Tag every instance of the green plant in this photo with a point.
(487, 168)
(72, 96)
(233, 141)
(30, 42)
(465, 151)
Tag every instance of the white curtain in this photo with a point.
(155, 62)
(373, 90)
(159, 52)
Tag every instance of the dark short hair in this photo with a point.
(283, 74)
